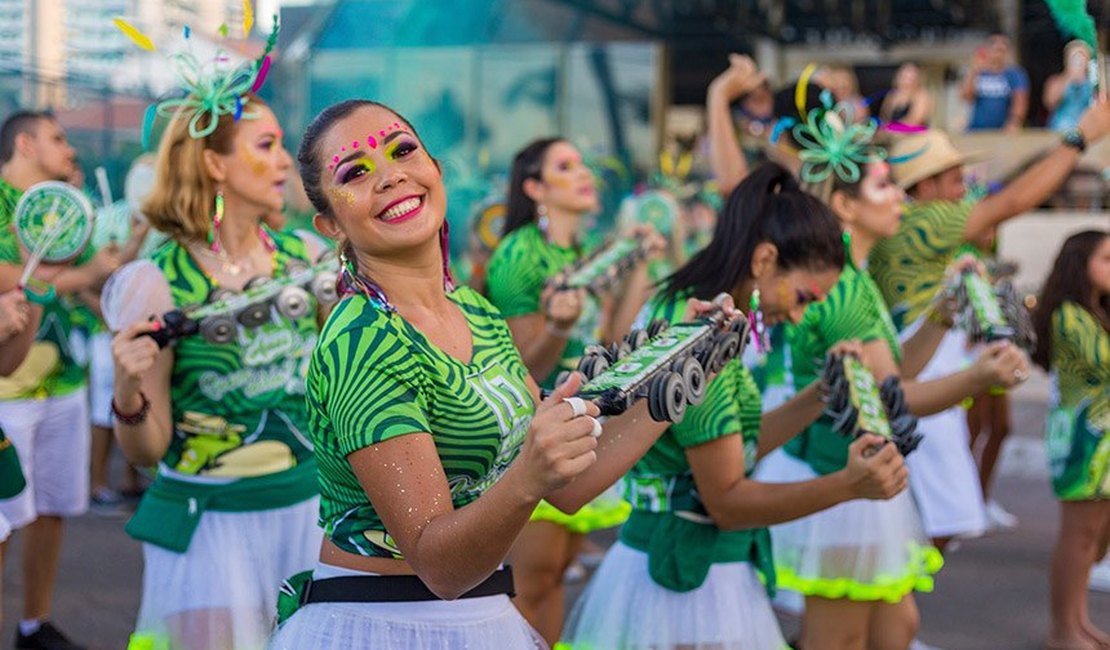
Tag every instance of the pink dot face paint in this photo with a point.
(371, 142)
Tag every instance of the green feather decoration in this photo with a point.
(1072, 19)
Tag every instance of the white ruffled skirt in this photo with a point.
(221, 594)
(860, 550)
(624, 609)
(487, 623)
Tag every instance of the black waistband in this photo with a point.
(395, 589)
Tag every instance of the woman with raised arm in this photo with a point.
(232, 509)
(1072, 320)
(908, 101)
(551, 192)
(693, 561)
(859, 562)
(433, 444)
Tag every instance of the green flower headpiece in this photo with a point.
(829, 146)
(832, 142)
(210, 90)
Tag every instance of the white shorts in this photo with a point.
(943, 476)
(52, 438)
(101, 371)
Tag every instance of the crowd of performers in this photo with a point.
(394, 461)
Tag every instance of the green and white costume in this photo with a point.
(374, 377)
(520, 266)
(909, 269)
(1078, 447)
(675, 579)
(43, 404)
(862, 549)
(231, 512)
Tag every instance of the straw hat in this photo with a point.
(924, 155)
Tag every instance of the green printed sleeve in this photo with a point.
(1075, 327)
(839, 318)
(372, 389)
(717, 416)
(515, 279)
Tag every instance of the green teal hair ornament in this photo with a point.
(833, 143)
(673, 174)
(210, 90)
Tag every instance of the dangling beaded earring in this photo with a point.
(755, 319)
(345, 263)
(542, 221)
(217, 218)
(350, 281)
(445, 246)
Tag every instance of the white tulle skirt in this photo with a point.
(624, 609)
(221, 594)
(488, 623)
(5, 528)
(860, 550)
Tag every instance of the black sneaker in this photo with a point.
(47, 637)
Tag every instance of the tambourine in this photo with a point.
(658, 210)
(488, 221)
(54, 221)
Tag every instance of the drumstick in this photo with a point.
(104, 186)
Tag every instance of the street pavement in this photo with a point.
(991, 595)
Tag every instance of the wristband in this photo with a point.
(132, 419)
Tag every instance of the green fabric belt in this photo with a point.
(171, 508)
(11, 474)
(680, 551)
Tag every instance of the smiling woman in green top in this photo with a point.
(232, 509)
(551, 193)
(433, 444)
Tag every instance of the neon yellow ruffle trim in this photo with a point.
(596, 515)
(919, 577)
(559, 645)
(147, 642)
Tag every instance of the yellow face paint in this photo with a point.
(257, 164)
(337, 194)
(348, 172)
